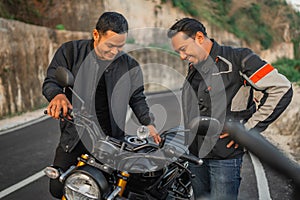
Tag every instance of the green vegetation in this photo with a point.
(130, 40)
(60, 27)
(295, 25)
(22, 10)
(250, 27)
(4, 13)
(290, 68)
(262, 21)
(184, 5)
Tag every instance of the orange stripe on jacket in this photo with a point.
(261, 73)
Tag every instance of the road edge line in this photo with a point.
(21, 184)
(262, 182)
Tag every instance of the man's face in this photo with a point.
(188, 48)
(109, 44)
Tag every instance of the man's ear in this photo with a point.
(96, 35)
(199, 37)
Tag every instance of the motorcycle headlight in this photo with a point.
(81, 186)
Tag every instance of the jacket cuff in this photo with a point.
(53, 93)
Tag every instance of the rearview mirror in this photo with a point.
(64, 77)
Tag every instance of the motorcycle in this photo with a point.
(130, 168)
(135, 168)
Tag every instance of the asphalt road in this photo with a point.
(26, 152)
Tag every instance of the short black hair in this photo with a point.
(112, 21)
(189, 26)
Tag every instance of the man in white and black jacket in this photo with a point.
(220, 84)
(108, 79)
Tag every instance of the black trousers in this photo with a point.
(64, 160)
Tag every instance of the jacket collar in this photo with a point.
(214, 52)
(205, 66)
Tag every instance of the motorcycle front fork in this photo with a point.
(123, 177)
(121, 185)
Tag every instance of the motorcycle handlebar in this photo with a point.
(189, 157)
(265, 151)
(192, 158)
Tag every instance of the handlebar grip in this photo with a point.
(192, 158)
(70, 113)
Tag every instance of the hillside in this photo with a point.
(264, 22)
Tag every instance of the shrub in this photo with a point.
(290, 68)
(60, 27)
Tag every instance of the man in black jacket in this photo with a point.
(220, 84)
(106, 78)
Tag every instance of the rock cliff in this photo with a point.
(25, 52)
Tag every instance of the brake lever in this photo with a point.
(162, 142)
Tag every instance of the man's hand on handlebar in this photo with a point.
(59, 105)
(153, 133)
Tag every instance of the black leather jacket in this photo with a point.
(124, 87)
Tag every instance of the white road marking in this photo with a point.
(262, 182)
(21, 184)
